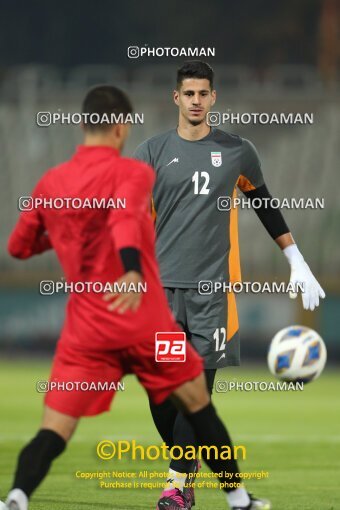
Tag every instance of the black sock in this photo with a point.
(184, 434)
(164, 417)
(175, 429)
(210, 431)
(35, 460)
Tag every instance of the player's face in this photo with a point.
(195, 99)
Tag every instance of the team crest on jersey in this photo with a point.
(216, 158)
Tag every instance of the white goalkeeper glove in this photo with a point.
(301, 274)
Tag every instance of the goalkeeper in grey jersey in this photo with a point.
(197, 242)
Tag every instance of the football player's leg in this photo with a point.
(164, 417)
(36, 457)
(172, 425)
(183, 432)
(211, 432)
(194, 399)
(61, 414)
(184, 436)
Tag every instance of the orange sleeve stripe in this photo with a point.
(244, 184)
(153, 210)
(234, 271)
(234, 254)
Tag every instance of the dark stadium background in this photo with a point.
(270, 56)
(257, 33)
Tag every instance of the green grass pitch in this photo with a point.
(293, 435)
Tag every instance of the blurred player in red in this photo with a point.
(105, 336)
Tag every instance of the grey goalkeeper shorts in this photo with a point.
(204, 318)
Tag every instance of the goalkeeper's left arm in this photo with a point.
(277, 228)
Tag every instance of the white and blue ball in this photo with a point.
(298, 354)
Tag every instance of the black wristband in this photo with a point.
(270, 217)
(130, 258)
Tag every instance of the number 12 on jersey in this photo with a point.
(203, 179)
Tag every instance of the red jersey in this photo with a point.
(87, 242)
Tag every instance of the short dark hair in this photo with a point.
(104, 99)
(195, 69)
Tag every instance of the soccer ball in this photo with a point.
(298, 354)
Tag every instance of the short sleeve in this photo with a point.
(250, 172)
(142, 153)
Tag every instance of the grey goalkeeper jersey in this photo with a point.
(193, 234)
